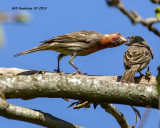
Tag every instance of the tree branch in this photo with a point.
(97, 89)
(110, 108)
(33, 116)
(28, 84)
(134, 17)
(155, 1)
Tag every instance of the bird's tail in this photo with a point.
(128, 76)
(38, 48)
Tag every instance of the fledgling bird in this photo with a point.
(136, 58)
(79, 43)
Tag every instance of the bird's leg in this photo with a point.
(71, 62)
(141, 75)
(148, 75)
(60, 56)
(79, 104)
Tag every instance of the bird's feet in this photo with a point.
(141, 75)
(56, 70)
(79, 72)
(148, 74)
(41, 72)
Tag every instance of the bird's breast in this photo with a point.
(82, 49)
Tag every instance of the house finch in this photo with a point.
(79, 43)
(136, 58)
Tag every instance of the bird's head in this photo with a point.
(136, 39)
(113, 39)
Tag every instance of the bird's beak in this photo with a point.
(128, 43)
(123, 39)
(129, 37)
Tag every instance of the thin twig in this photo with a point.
(144, 119)
(155, 1)
(135, 17)
(137, 114)
(121, 119)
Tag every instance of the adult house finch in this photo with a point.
(79, 43)
(136, 58)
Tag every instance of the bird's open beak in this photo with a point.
(128, 43)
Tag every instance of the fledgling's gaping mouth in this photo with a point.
(128, 43)
(129, 37)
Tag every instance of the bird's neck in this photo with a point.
(109, 44)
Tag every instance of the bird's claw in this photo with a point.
(148, 74)
(41, 72)
(141, 75)
(75, 73)
(56, 70)
(79, 73)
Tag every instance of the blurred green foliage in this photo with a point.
(157, 11)
(158, 80)
(18, 17)
(23, 17)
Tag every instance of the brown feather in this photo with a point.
(128, 76)
(136, 58)
(80, 36)
(38, 48)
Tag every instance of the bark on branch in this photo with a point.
(25, 114)
(29, 84)
(98, 89)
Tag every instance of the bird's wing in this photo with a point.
(136, 55)
(151, 51)
(80, 36)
